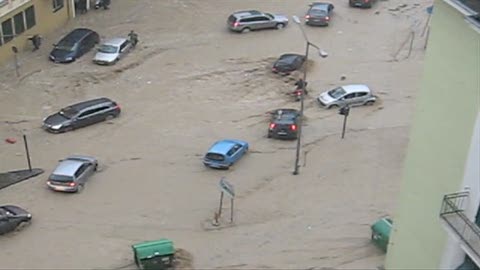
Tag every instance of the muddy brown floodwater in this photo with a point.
(191, 82)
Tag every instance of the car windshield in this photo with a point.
(270, 16)
(107, 49)
(337, 92)
(318, 12)
(68, 112)
(215, 156)
(60, 178)
(65, 46)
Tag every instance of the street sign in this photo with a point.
(226, 187)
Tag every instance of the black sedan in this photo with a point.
(11, 217)
(319, 14)
(288, 63)
(284, 124)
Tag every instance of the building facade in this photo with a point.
(21, 19)
(437, 223)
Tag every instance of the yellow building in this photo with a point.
(21, 19)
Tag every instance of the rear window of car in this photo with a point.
(61, 178)
(232, 19)
(215, 156)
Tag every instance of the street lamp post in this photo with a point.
(300, 127)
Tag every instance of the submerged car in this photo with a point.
(284, 124)
(352, 95)
(111, 51)
(319, 14)
(248, 20)
(288, 63)
(74, 45)
(225, 153)
(81, 114)
(362, 3)
(72, 173)
(11, 217)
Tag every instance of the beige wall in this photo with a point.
(46, 21)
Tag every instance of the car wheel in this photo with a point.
(280, 26)
(116, 61)
(369, 103)
(80, 188)
(245, 30)
(334, 106)
(109, 117)
(95, 168)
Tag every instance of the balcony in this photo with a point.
(464, 229)
(9, 5)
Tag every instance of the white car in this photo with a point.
(112, 50)
(352, 95)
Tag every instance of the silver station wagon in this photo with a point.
(72, 173)
(352, 95)
(249, 20)
(112, 50)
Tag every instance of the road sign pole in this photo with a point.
(28, 152)
(344, 125)
(221, 204)
(231, 210)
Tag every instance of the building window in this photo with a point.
(7, 30)
(57, 5)
(30, 17)
(19, 24)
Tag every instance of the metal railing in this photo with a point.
(452, 212)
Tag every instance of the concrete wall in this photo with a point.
(446, 110)
(46, 21)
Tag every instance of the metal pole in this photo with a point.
(302, 98)
(231, 211)
(344, 125)
(28, 153)
(221, 204)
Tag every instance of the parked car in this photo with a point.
(72, 173)
(319, 14)
(74, 45)
(284, 124)
(112, 50)
(248, 20)
(288, 63)
(352, 95)
(81, 114)
(225, 153)
(362, 3)
(11, 217)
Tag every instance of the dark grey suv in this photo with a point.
(249, 20)
(284, 124)
(81, 114)
(11, 217)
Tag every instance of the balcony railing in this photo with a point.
(467, 231)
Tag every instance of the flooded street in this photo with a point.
(188, 83)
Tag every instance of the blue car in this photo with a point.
(225, 153)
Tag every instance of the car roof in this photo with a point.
(115, 41)
(320, 5)
(247, 13)
(68, 167)
(356, 88)
(222, 146)
(82, 105)
(78, 33)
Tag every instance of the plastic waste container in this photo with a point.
(152, 255)
(381, 232)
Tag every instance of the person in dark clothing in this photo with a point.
(133, 38)
(105, 4)
(301, 84)
(82, 6)
(36, 41)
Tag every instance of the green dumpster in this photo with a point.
(381, 232)
(153, 255)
